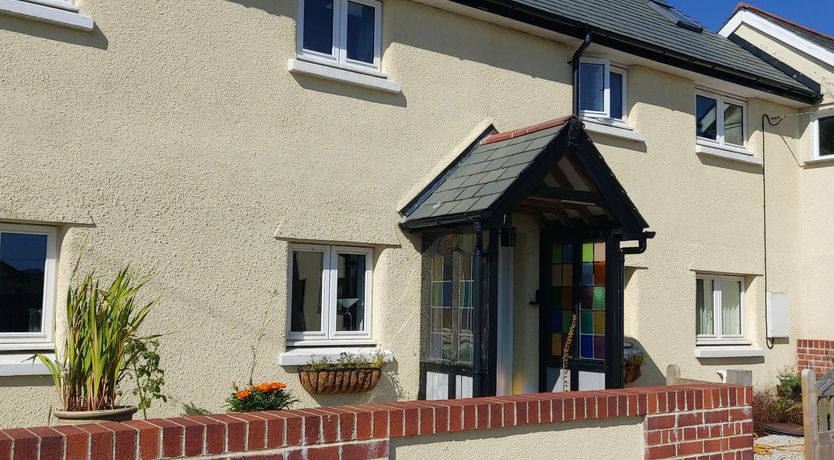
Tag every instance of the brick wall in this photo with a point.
(697, 421)
(814, 354)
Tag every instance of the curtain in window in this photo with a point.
(703, 302)
(730, 308)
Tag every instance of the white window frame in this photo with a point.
(44, 339)
(338, 55)
(815, 134)
(328, 335)
(60, 12)
(718, 336)
(720, 101)
(608, 68)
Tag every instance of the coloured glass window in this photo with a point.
(592, 301)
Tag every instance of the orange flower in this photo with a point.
(269, 387)
(242, 393)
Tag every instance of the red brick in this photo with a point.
(695, 418)
(712, 445)
(370, 450)
(545, 411)
(470, 417)
(482, 416)
(51, 441)
(101, 441)
(455, 418)
(557, 411)
(149, 437)
(716, 416)
(659, 422)
(124, 440)
(215, 434)
(658, 452)
(602, 408)
(412, 421)
(322, 453)
(690, 448)
(583, 408)
(740, 414)
(653, 438)
(426, 420)
(235, 432)
(171, 437)
(193, 433)
(5, 446)
(441, 419)
(25, 444)
(741, 442)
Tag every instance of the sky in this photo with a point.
(815, 14)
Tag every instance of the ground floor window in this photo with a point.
(719, 304)
(27, 279)
(330, 293)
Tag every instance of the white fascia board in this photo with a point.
(50, 14)
(777, 32)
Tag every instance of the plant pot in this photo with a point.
(337, 380)
(80, 417)
(631, 372)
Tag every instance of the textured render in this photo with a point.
(173, 137)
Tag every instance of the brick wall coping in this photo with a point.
(357, 427)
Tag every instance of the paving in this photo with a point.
(779, 447)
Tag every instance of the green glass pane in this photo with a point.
(466, 294)
(567, 317)
(587, 321)
(599, 298)
(437, 294)
(557, 253)
(587, 252)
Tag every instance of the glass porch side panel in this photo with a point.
(558, 317)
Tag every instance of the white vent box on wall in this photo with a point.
(777, 315)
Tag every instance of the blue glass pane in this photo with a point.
(360, 32)
(616, 95)
(556, 321)
(447, 293)
(588, 274)
(586, 348)
(592, 87)
(318, 26)
(22, 266)
(706, 117)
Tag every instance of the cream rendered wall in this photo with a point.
(172, 137)
(811, 306)
(578, 441)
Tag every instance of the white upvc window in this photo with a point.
(330, 292)
(27, 286)
(341, 33)
(822, 132)
(602, 90)
(720, 120)
(60, 12)
(719, 308)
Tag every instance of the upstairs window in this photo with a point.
(720, 120)
(602, 91)
(823, 132)
(330, 294)
(344, 33)
(27, 277)
(719, 304)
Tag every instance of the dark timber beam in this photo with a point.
(576, 196)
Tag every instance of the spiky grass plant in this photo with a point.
(102, 322)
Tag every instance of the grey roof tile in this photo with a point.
(492, 176)
(513, 171)
(469, 192)
(495, 187)
(473, 179)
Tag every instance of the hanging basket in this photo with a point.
(338, 380)
(631, 372)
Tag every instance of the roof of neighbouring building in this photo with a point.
(819, 38)
(651, 29)
(505, 172)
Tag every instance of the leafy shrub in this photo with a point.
(265, 396)
(790, 385)
(769, 406)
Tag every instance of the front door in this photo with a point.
(573, 314)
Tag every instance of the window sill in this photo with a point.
(345, 76)
(19, 364)
(50, 14)
(301, 356)
(18, 346)
(613, 129)
(728, 351)
(728, 153)
(816, 161)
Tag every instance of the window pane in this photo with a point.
(592, 87)
(616, 95)
(733, 124)
(703, 308)
(318, 26)
(731, 308)
(705, 117)
(360, 32)
(306, 290)
(22, 267)
(826, 126)
(350, 293)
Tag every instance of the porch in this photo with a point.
(550, 182)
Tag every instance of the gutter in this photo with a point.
(532, 16)
(574, 62)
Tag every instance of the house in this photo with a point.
(310, 177)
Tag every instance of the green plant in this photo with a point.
(143, 363)
(101, 325)
(790, 384)
(637, 358)
(190, 408)
(347, 361)
(265, 396)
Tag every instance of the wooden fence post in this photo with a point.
(809, 413)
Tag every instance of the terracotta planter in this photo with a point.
(631, 372)
(80, 417)
(336, 380)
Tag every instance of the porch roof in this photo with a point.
(552, 167)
